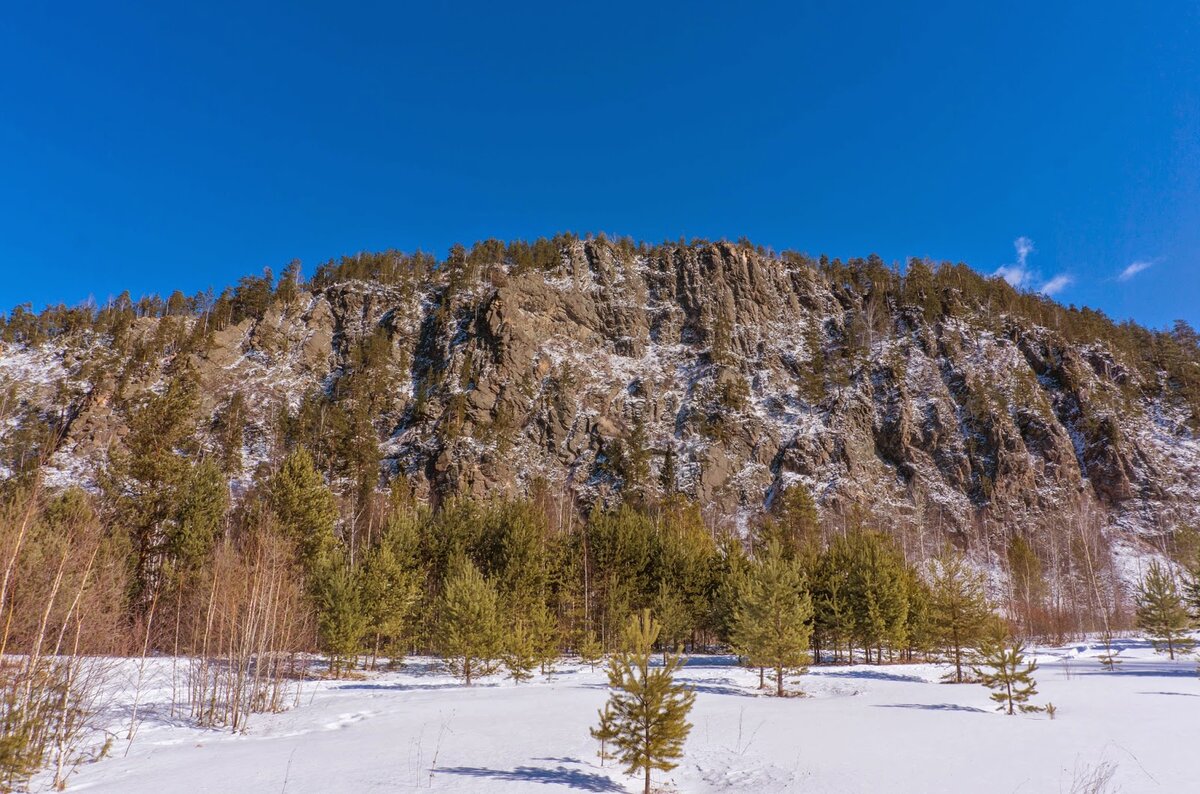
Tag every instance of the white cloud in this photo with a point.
(1134, 269)
(1024, 248)
(1057, 284)
(1018, 274)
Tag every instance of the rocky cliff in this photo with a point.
(718, 370)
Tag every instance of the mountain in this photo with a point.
(933, 400)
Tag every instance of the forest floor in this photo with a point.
(891, 728)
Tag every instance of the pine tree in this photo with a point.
(875, 592)
(773, 619)
(470, 623)
(202, 508)
(288, 288)
(517, 551)
(543, 629)
(619, 545)
(684, 564)
(1002, 668)
(731, 570)
(636, 460)
(794, 523)
(389, 593)
(341, 621)
(1161, 613)
(667, 474)
(1028, 580)
(1191, 593)
(813, 381)
(958, 608)
(605, 731)
(833, 617)
(229, 429)
(304, 505)
(672, 618)
(519, 656)
(589, 649)
(918, 625)
(148, 477)
(720, 335)
(649, 710)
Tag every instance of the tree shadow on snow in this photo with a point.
(557, 776)
(711, 661)
(563, 760)
(1149, 669)
(707, 688)
(409, 687)
(875, 675)
(1179, 694)
(715, 689)
(1127, 644)
(931, 707)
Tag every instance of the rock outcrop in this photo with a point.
(747, 371)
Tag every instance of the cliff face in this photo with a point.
(734, 372)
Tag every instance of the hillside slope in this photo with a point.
(934, 399)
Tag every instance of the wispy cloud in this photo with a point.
(1057, 284)
(1018, 274)
(1021, 275)
(1134, 269)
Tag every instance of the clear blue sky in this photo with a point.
(154, 148)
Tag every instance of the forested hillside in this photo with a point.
(566, 378)
(925, 400)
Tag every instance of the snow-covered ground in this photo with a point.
(862, 729)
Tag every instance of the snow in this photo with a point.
(893, 728)
(31, 367)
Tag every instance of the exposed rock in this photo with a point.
(547, 369)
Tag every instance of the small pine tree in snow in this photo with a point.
(772, 623)
(1161, 613)
(470, 624)
(959, 609)
(1003, 669)
(520, 654)
(649, 710)
(589, 649)
(605, 732)
(543, 629)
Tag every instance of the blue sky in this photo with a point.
(154, 148)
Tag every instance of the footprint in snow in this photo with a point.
(346, 720)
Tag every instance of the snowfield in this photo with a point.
(893, 728)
